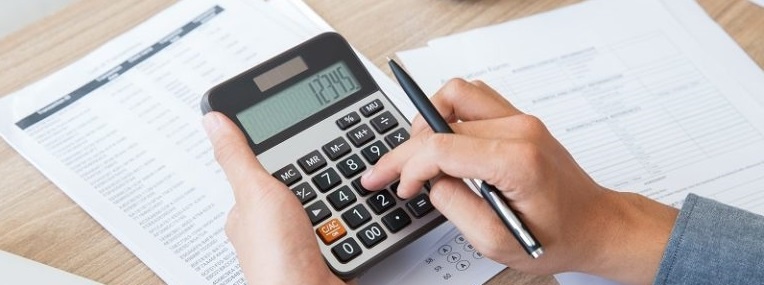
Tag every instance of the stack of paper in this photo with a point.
(649, 96)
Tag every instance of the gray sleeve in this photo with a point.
(713, 243)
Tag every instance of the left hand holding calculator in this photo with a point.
(316, 120)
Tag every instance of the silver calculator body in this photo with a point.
(317, 121)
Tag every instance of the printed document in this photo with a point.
(649, 96)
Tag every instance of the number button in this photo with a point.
(397, 138)
(384, 122)
(348, 120)
(341, 198)
(351, 166)
(318, 212)
(336, 148)
(346, 250)
(304, 192)
(381, 201)
(396, 220)
(326, 180)
(359, 188)
(361, 135)
(420, 205)
(374, 152)
(372, 235)
(312, 162)
(372, 108)
(288, 175)
(356, 216)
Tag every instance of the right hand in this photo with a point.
(581, 225)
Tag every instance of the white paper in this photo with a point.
(645, 102)
(19, 270)
(758, 2)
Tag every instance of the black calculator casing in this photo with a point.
(281, 153)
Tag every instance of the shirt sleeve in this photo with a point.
(713, 243)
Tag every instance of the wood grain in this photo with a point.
(39, 222)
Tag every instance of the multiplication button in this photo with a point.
(397, 138)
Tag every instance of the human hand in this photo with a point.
(267, 226)
(583, 226)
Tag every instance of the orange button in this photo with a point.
(331, 231)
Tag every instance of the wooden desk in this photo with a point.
(39, 222)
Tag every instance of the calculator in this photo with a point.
(317, 120)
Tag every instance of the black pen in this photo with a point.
(488, 191)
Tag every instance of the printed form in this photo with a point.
(646, 102)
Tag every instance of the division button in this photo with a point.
(336, 148)
(372, 108)
(318, 212)
(331, 231)
(312, 162)
(384, 122)
(396, 220)
(304, 192)
(347, 250)
(288, 175)
(420, 205)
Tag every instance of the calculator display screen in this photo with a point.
(298, 102)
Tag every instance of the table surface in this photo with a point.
(40, 222)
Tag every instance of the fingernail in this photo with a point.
(211, 123)
(366, 176)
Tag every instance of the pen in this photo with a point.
(488, 191)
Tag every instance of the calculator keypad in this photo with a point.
(384, 122)
(347, 218)
(361, 135)
(336, 148)
(351, 166)
(397, 138)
